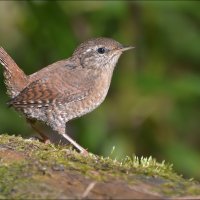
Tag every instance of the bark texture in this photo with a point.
(32, 170)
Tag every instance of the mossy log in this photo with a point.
(33, 170)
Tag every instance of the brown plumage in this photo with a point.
(15, 79)
(66, 89)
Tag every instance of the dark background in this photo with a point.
(153, 105)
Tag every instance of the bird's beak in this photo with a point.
(124, 48)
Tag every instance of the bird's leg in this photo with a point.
(44, 139)
(74, 143)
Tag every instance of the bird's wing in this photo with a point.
(42, 93)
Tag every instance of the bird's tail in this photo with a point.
(15, 78)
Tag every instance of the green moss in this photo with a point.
(34, 162)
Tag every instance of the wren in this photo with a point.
(66, 89)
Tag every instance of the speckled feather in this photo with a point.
(15, 79)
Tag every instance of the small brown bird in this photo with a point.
(66, 89)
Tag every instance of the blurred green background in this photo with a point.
(153, 105)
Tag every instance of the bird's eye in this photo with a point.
(101, 50)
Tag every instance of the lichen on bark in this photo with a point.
(30, 169)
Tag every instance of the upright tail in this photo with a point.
(15, 78)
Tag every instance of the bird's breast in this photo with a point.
(95, 97)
